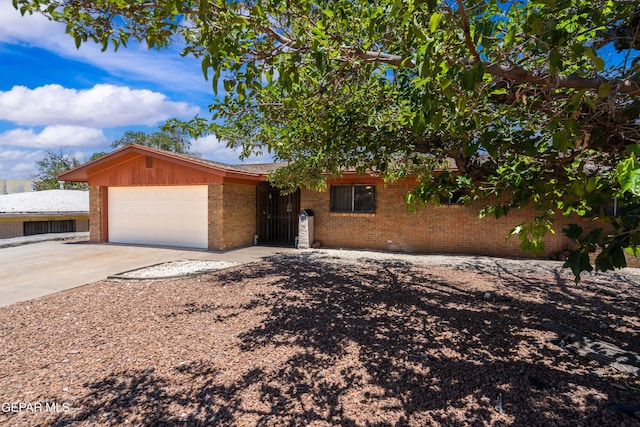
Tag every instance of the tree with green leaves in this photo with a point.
(536, 101)
(52, 165)
(169, 140)
(97, 155)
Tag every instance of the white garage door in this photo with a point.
(166, 216)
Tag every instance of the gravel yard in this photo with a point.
(324, 338)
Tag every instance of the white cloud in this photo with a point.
(211, 148)
(165, 68)
(21, 164)
(14, 27)
(18, 164)
(100, 106)
(53, 137)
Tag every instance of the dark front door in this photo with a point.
(277, 216)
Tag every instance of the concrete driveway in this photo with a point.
(31, 271)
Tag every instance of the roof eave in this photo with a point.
(43, 214)
(81, 173)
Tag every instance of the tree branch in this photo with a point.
(367, 55)
(466, 28)
(511, 72)
(385, 58)
(519, 75)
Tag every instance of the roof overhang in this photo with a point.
(122, 155)
(128, 153)
(42, 214)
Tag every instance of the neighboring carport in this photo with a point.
(43, 212)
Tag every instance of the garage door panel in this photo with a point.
(170, 216)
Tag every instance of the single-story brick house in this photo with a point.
(43, 212)
(140, 195)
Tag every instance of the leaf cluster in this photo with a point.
(168, 140)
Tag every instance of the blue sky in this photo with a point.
(56, 97)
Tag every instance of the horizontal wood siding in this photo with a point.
(134, 171)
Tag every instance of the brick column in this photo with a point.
(216, 210)
(95, 214)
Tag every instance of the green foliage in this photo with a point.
(628, 172)
(97, 155)
(519, 96)
(52, 165)
(169, 140)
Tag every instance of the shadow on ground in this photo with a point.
(389, 344)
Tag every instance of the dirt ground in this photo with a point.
(296, 341)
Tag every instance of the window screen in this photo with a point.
(31, 228)
(612, 208)
(456, 199)
(353, 198)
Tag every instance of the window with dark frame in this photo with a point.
(611, 208)
(456, 199)
(353, 198)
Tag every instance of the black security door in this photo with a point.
(277, 216)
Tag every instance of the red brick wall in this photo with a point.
(232, 215)
(239, 215)
(95, 213)
(216, 210)
(432, 229)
